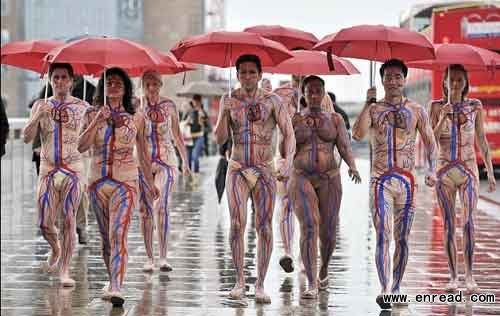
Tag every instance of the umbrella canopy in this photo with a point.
(203, 88)
(97, 53)
(291, 38)
(377, 43)
(164, 67)
(28, 54)
(221, 49)
(473, 58)
(306, 62)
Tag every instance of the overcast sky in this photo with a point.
(320, 17)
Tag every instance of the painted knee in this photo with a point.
(265, 229)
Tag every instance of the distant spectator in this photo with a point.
(339, 110)
(4, 125)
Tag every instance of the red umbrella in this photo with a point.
(473, 58)
(305, 62)
(165, 66)
(97, 53)
(290, 37)
(377, 42)
(28, 54)
(221, 49)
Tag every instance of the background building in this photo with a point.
(156, 23)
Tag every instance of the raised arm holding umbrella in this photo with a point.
(458, 122)
(392, 122)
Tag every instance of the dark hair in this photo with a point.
(41, 95)
(332, 96)
(394, 63)
(310, 78)
(127, 97)
(455, 67)
(78, 89)
(66, 66)
(197, 97)
(249, 58)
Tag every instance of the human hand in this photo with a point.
(491, 183)
(430, 179)
(354, 175)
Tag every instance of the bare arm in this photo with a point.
(438, 118)
(287, 142)
(343, 143)
(362, 124)
(176, 133)
(483, 142)
(221, 129)
(31, 128)
(89, 129)
(142, 154)
(364, 121)
(425, 130)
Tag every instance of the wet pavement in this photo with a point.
(203, 272)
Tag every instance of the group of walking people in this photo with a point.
(131, 146)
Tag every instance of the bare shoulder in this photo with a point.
(336, 117)
(476, 103)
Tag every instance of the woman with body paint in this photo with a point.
(289, 94)
(58, 121)
(456, 121)
(111, 131)
(162, 134)
(315, 188)
(392, 123)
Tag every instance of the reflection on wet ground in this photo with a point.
(203, 272)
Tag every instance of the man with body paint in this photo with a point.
(251, 115)
(393, 123)
(456, 120)
(315, 188)
(58, 120)
(162, 134)
(289, 94)
(111, 130)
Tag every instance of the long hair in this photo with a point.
(128, 87)
(455, 67)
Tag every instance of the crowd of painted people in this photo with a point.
(119, 154)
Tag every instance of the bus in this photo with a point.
(470, 22)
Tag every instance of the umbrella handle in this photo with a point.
(46, 87)
(329, 59)
(372, 80)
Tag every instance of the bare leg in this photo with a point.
(237, 195)
(164, 180)
(305, 202)
(287, 223)
(330, 195)
(121, 204)
(146, 214)
(48, 203)
(98, 195)
(403, 219)
(468, 195)
(381, 207)
(446, 197)
(263, 196)
(71, 191)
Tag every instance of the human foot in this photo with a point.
(451, 286)
(164, 266)
(237, 292)
(148, 266)
(261, 297)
